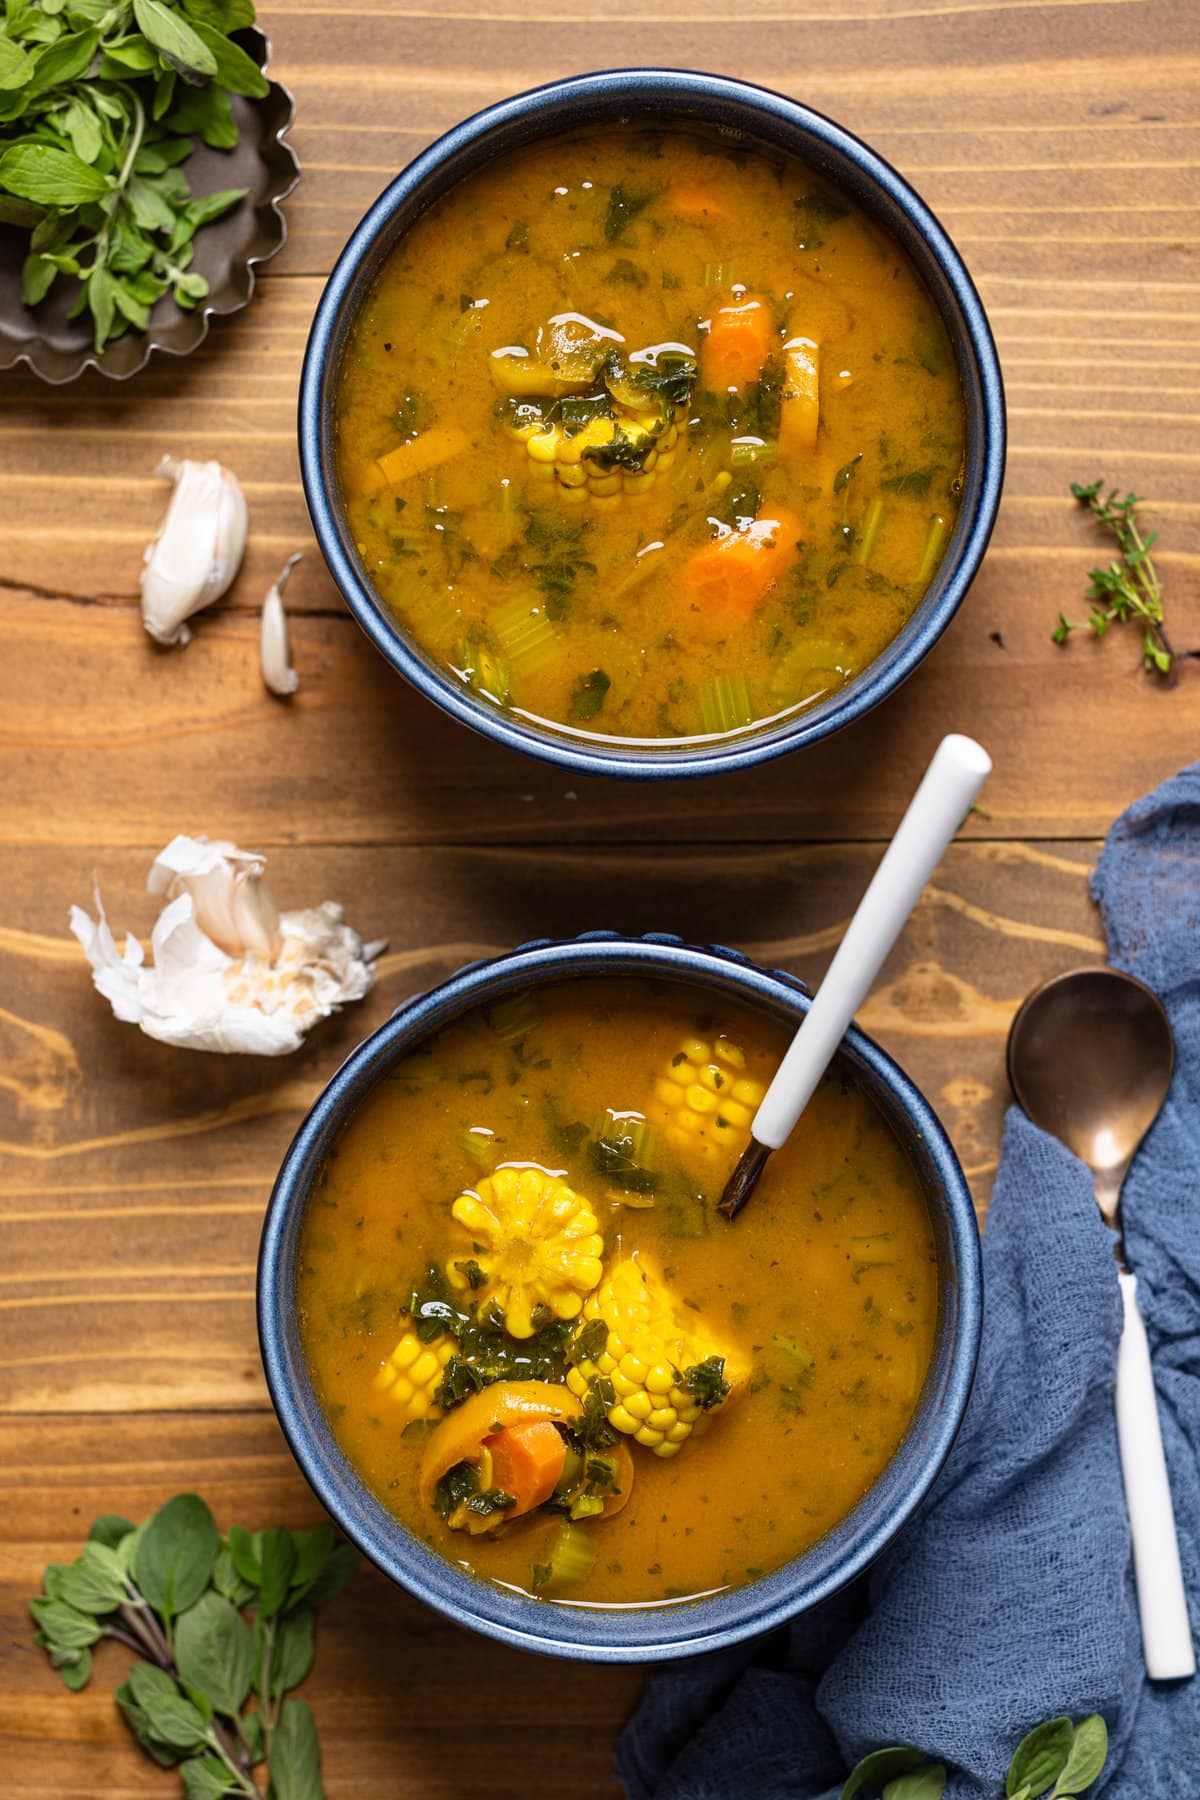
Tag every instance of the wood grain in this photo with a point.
(1058, 144)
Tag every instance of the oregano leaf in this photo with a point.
(1088, 1755)
(879, 1766)
(1040, 1758)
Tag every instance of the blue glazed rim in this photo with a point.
(742, 111)
(598, 1634)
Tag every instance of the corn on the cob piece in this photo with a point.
(412, 1373)
(537, 1242)
(598, 422)
(614, 455)
(666, 1373)
(704, 1100)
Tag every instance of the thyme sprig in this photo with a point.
(1128, 588)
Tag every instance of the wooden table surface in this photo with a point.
(1057, 142)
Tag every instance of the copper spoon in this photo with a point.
(1090, 1056)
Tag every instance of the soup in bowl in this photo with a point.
(651, 423)
(532, 1371)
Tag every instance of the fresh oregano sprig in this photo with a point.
(210, 1693)
(101, 102)
(1058, 1759)
(1128, 588)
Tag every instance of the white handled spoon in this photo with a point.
(1090, 1056)
(938, 808)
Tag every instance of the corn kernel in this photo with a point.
(621, 1420)
(750, 1093)
(543, 447)
(700, 1100)
(662, 1418)
(572, 475)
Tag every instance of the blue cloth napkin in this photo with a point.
(1010, 1598)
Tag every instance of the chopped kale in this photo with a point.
(455, 1488)
(589, 695)
(616, 1157)
(518, 237)
(705, 1382)
(591, 1429)
(472, 1273)
(492, 1500)
(812, 212)
(913, 481)
(432, 1308)
(588, 1343)
(625, 271)
(623, 209)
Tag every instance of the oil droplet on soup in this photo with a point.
(548, 1356)
(649, 438)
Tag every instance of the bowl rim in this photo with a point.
(643, 1634)
(636, 90)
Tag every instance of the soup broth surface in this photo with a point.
(817, 1308)
(649, 436)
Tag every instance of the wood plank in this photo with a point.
(390, 1675)
(135, 1176)
(112, 740)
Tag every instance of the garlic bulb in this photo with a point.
(277, 672)
(227, 971)
(198, 549)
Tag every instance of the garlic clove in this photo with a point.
(277, 672)
(231, 903)
(198, 549)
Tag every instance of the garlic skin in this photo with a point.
(228, 973)
(198, 549)
(277, 672)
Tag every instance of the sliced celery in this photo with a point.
(864, 545)
(514, 1017)
(566, 1559)
(484, 671)
(525, 634)
(751, 453)
(933, 548)
(725, 705)
(811, 668)
(874, 1250)
(479, 1146)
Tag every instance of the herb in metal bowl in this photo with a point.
(101, 102)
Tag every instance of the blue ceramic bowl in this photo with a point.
(626, 1634)
(740, 113)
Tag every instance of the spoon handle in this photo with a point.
(1162, 1601)
(938, 808)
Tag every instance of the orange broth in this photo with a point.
(824, 1291)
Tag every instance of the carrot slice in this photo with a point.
(696, 202)
(726, 580)
(527, 1462)
(739, 341)
(800, 401)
